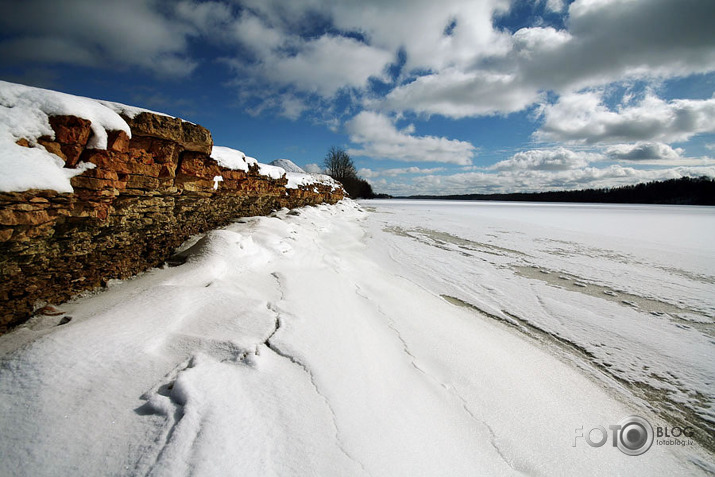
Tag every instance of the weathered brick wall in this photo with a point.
(145, 197)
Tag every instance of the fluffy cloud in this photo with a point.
(456, 60)
(654, 153)
(374, 33)
(613, 40)
(457, 94)
(537, 180)
(643, 151)
(583, 118)
(205, 16)
(433, 35)
(418, 27)
(379, 138)
(427, 36)
(313, 168)
(606, 41)
(327, 64)
(666, 37)
(371, 174)
(555, 5)
(529, 42)
(265, 45)
(557, 159)
(272, 53)
(451, 57)
(255, 37)
(97, 33)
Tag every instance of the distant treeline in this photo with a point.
(684, 191)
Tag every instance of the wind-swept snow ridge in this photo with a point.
(281, 347)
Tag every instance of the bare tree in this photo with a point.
(339, 165)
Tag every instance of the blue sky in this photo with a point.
(456, 96)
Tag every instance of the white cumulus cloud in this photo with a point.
(604, 42)
(379, 138)
(313, 168)
(96, 33)
(327, 64)
(372, 174)
(457, 94)
(643, 151)
(538, 180)
(584, 118)
(556, 159)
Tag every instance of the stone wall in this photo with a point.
(145, 196)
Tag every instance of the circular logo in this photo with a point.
(635, 435)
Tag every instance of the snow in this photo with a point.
(34, 168)
(271, 171)
(296, 180)
(231, 158)
(237, 160)
(316, 342)
(287, 165)
(131, 111)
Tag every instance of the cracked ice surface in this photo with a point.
(625, 292)
(283, 346)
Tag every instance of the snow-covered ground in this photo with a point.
(347, 340)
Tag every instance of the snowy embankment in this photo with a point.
(283, 346)
(24, 116)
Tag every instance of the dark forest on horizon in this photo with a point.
(683, 191)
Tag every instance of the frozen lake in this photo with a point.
(388, 339)
(625, 292)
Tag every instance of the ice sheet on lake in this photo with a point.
(627, 288)
(315, 343)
